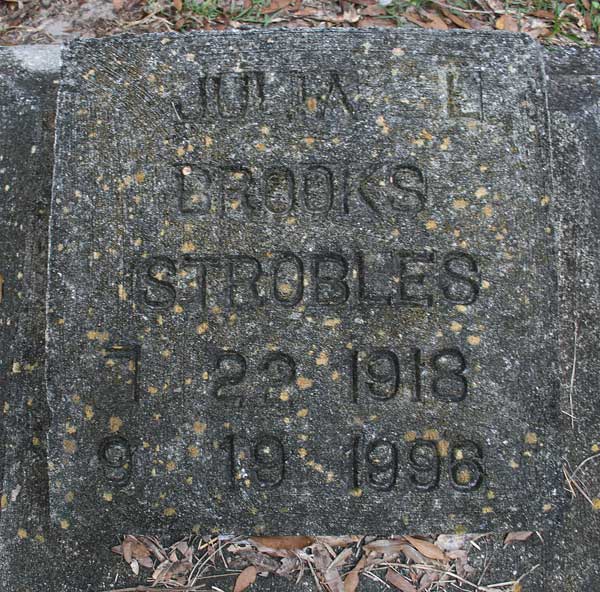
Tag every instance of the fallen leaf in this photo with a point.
(117, 5)
(275, 5)
(178, 572)
(333, 580)
(373, 10)
(288, 566)
(154, 546)
(517, 536)
(261, 561)
(453, 542)
(146, 562)
(283, 542)
(496, 5)
(368, 21)
(428, 549)
(426, 19)
(545, 14)
(412, 554)
(385, 546)
(507, 23)
(350, 14)
(178, 4)
(160, 571)
(429, 578)
(246, 578)
(321, 557)
(342, 558)
(459, 22)
(339, 541)
(398, 581)
(307, 11)
(353, 577)
(437, 22)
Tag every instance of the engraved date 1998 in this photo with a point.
(370, 462)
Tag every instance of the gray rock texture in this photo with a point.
(301, 283)
(37, 554)
(28, 86)
(574, 102)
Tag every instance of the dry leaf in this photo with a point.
(496, 5)
(545, 14)
(321, 557)
(178, 572)
(275, 5)
(374, 10)
(288, 566)
(398, 581)
(453, 542)
(412, 554)
(459, 22)
(246, 578)
(117, 5)
(160, 571)
(507, 23)
(353, 577)
(154, 546)
(517, 536)
(437, 22)
(428, 549)
(178, 4)
(385, 546)
(283, 542)
(333, 580)
(429, 578)
(261, 561)
(342, 558)
(350, 14)
(369, 21)
(339, 541)
(433, 21)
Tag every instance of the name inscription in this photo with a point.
(287, 279)
(317, 189)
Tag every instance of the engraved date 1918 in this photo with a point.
(379, 374)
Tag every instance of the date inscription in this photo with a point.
(379, 374)
(371, 462)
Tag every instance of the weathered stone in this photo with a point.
(34, 555)
(302, 283)
(574, 101)
(28, 86)
(61, 563)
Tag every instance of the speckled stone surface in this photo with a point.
(28, 86)
(71, 559)
(574, 102)
(302, 283)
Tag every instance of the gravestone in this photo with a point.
(574, 103)
(27, 91)
(28, 87)
(302, 283)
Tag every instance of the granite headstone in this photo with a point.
(29, 79)
(302, 283)
(574, 104)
